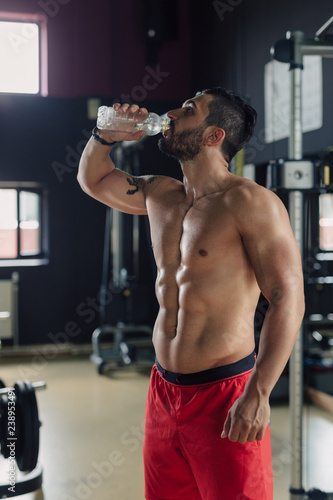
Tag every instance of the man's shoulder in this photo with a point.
(253, 205)
(245, 193)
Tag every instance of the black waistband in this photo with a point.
(212, 375)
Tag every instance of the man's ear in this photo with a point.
(214, 137)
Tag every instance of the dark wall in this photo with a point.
(233, 51)
(98, 48)
(36, 134)
(41, 140)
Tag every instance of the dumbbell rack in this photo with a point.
(19, 436)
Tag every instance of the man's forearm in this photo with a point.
(95, 164)
(277, 338)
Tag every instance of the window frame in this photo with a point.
(41, 20)
(42, 258)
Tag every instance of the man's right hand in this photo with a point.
(113, 135)
(99, 177)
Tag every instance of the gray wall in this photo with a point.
(231, 43)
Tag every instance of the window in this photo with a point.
(326, 221)
(23, 53)
(23, 224)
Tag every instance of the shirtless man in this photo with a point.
(218, 241)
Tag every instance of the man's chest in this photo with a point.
(202, 233)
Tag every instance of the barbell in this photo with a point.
(19, 423)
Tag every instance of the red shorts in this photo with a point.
(185, 457)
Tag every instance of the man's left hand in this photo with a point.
(247, 419)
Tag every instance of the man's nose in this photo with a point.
(173, 114)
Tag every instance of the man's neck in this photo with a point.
(204, 176)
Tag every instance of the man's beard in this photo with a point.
(184, 146)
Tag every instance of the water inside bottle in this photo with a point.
(110, 119)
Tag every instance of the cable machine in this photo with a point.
(298, 177)
(121, 262)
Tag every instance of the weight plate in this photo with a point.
(4, 426)
(19, 415)
(28, 439)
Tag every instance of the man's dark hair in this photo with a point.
(235, 116)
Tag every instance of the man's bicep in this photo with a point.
(273, 251)
(122, 191)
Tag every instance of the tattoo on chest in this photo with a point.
(138, 184)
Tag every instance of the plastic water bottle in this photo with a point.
(110, 119)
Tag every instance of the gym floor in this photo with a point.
(91, 434)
